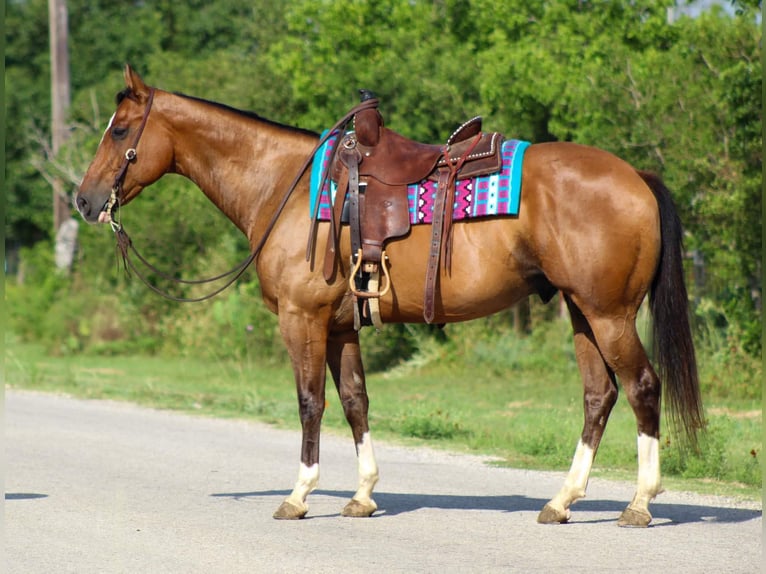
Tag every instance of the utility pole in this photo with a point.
(64, 226)
(60, 97)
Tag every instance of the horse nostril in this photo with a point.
(82, 205)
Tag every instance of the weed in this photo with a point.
(422, 423)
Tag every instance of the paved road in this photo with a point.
(103, 487)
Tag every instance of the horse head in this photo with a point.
(132, 154)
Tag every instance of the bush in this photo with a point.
(105, 312)
(36, 290)
(727, 368)
(722, 455)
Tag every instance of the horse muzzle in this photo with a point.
(94, 207)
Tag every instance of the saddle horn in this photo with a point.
(367, 123)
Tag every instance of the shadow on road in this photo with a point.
(23, 495)
(392, 504)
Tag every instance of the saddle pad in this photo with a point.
(485, 196)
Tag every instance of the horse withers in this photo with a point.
(590, 226)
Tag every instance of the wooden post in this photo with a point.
(60, 98)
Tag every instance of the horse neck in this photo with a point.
(243, 164)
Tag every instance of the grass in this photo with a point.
(521, 406)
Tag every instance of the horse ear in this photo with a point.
(134, 82)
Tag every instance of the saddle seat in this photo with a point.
(397, 160)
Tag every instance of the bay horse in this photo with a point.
(590, 226)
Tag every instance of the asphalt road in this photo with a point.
(104, 487)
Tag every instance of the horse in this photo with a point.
(591, 227)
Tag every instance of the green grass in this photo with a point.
(521, 406)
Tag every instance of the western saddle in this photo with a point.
(372, 167)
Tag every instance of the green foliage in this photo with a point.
(727, 367)
(503, 351)
(385, 349)
(724, 454)
(425, 423)
(28, 307)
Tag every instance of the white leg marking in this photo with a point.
(308, 477)
(577, 479)
(368, 469)
(649, 483)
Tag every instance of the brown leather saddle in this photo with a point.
(372, 167)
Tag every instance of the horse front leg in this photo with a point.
(599, 396)
(345, 361)
(306, 341)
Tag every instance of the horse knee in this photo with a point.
(644, 391)
(644, 397)
(600, 403)
(354, 404)
(598, 406)
(310, 407)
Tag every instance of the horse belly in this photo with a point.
(486, 274)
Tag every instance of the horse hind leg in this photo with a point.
(624, 353)
(345, 361)
(599, 396)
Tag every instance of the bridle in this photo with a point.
(125, 244)
(130, 155)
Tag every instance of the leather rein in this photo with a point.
(125, 244)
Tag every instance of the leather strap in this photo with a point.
(339, 126)
(333, 238)
(130, 154)
(432, 269)
(441, 226)
(354, 206)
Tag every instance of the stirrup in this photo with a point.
(369, 294)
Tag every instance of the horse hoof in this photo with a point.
(357, 509)
(290, 511)
(551, 515)
(634, 518)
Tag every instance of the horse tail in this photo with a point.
(672, 343)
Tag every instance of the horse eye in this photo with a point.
(119, 133)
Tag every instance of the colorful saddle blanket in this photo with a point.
(485, 196)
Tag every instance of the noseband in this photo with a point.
(130, 155)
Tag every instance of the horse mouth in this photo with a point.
(106, 215)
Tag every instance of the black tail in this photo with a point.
(672, 341)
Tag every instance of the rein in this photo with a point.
(125, 243)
